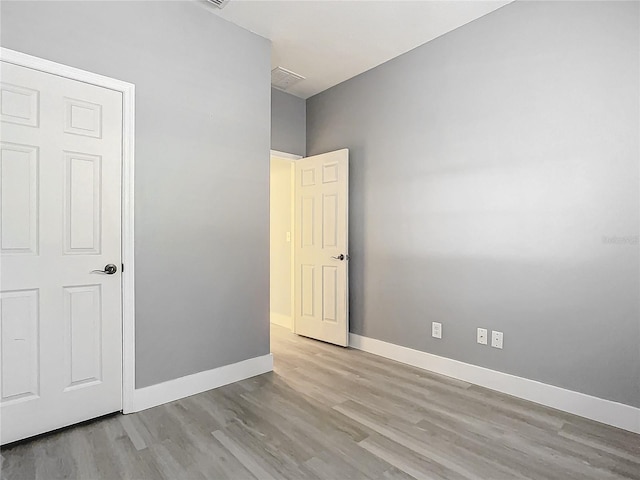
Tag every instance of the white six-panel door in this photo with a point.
(322, 246)
(61, 327)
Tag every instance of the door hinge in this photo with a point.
(122, 269)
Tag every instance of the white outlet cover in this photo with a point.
(482, 336)
(436, 330)
(496, 339)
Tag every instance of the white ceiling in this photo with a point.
(329, 42)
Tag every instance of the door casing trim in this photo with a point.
(128, 147)
(285, 155)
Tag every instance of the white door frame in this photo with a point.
(128, 137)
(293, 157)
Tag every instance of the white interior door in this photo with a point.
(322, 246)
(61, 324)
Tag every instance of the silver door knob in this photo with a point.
(109, 269)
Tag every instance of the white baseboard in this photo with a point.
(598, 409)
(182, 387)
(282, 320)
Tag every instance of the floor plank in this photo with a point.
(332, 413)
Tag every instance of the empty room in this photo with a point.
(320, 239)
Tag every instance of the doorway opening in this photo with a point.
(309, 245)
(281, 214)
(80, 363)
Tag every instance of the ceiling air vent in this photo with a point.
(281, 78)
(219, 3)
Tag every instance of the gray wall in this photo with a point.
(486, 169)
(288, 123)
(202, 168)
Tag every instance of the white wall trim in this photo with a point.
(282, 320)
(288, 156)
(200, 382)
(598, 409)
(292, 250)
(128, 150)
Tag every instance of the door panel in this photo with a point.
(83, 328)
(61, 332)
(19, 183)
(329, 293)
(82, 197)
(20, 363)
(321, 283)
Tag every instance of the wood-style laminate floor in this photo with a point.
(333, 413)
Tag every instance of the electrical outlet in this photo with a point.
(496, 339)
(436, 330)
(482, 336)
